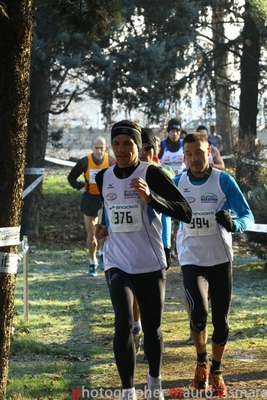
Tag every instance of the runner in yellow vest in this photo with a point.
(91, 203)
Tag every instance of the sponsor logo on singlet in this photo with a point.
(209, 198)
(190, 199)
(111, 196)
(130, 194)
(124, 207)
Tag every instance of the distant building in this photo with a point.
(192, 125)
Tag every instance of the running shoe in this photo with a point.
(154, 392)
(137, 334)
(201, 379)
(92, 270)
(129, 395)
(217, 383)
(101, 262)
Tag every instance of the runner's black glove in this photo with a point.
(224, 218)
(79, 185)
(168, 256)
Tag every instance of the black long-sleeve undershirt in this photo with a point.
(166, 198)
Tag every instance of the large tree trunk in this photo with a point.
(247, 174)
(40, 96)
(222, 82)
(249, 76)
(16, 25)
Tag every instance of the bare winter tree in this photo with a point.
(16, 24)
(63, 32)
(221, 76)
(247, 175)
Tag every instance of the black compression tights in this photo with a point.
(215, 282)
(149, 289)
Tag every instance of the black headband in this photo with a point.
(127, 130)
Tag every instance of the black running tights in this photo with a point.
(214, 282)
(149, 289)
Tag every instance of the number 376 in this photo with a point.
(122, 217)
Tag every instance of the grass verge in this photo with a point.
(66, 345)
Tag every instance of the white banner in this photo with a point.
(259, 228)
(8, 263)
(9, 236)
(32, 186)
(61, 162)
(34, 171)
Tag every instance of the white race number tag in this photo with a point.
(125, 217)
(203, 224)
(177, 167)
(93, 173)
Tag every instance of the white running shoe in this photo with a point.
(155, 392)
(128, 395)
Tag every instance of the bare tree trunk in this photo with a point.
(40, 96)
(16, 24)
(247, 174)
(249, 76)
(222, 82)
